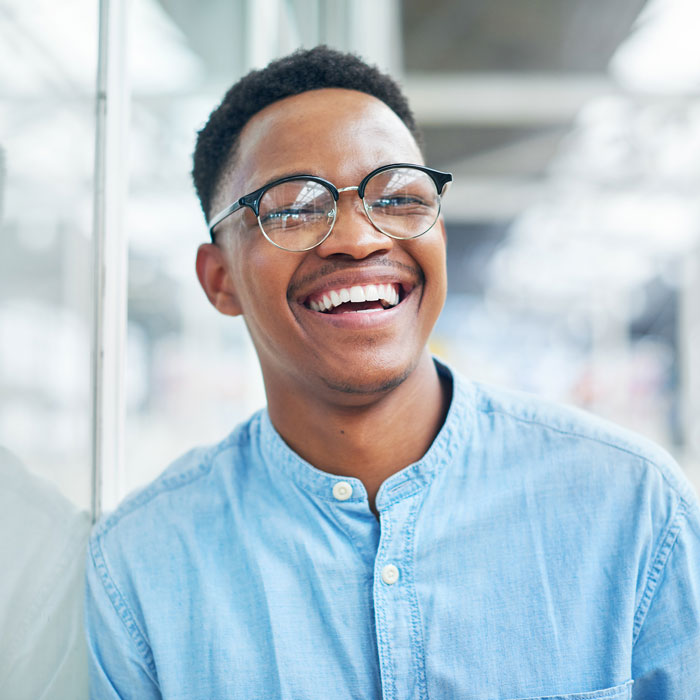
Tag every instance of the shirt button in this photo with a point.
(342, 491)
(390, 574)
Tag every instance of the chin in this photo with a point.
(382, 386)
(369, 380)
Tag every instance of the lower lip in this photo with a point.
(355, 320)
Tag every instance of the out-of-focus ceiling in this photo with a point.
(496, 85)
(562, 36)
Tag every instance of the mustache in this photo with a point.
(332, 267)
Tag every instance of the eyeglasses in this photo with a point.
(298, 212)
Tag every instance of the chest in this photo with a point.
(408, 607)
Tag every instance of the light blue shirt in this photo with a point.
(533, 552)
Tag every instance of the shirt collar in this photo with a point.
(454, 433)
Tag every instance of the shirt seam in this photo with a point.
(582, 436)
(122, 609)
(416, 626)
(387, 670)
(613, 693)
(662, 555)
(167, 485)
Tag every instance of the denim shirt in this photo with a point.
(533, 552)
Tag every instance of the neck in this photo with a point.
(371, 441)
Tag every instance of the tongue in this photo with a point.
(350, 306)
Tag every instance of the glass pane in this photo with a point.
(48, 54)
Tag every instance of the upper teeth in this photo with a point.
(368, 292)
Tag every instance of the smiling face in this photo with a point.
(351, 317)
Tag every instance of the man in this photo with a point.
(384, 528)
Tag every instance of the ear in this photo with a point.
(216, 281)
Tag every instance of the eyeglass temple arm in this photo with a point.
(222, 215)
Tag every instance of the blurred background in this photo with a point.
(572, 128)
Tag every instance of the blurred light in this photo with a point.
(160, 60)
(663, 53)
(35, 58)
(43, 350)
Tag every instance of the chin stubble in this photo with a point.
(377, 388)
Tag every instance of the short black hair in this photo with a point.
(301, 71)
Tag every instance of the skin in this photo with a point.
(353, 396)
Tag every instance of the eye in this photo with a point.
(295, 204)
(397, 200)
(400, 204)
(289, 216)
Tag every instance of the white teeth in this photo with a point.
(370, 292)
(357, 294)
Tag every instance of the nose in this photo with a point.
(353, 234)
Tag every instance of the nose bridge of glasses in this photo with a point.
(360, 208)
(348, 189)
(351, 188)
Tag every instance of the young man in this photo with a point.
(384, 528)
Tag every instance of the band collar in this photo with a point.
(455, 432)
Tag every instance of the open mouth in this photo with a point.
(357, 299)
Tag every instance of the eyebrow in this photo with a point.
(302, 173)
(279, 176)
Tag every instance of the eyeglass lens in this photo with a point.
(299, 214)
(402, 202)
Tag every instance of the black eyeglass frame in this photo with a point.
(252, 200)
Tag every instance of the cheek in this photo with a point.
(432, 258)
(264, 274)
(440, 257)
(430, 253)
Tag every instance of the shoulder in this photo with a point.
(568, 440)
(194, 481)
(145, 559)
(585, 480)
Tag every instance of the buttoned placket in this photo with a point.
(386, 545)
(397, 616)
(398, 626)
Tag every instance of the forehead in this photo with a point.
(337, 134)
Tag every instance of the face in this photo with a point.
(340, 135)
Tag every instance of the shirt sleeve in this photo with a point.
(118, 667)
(666, 655)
